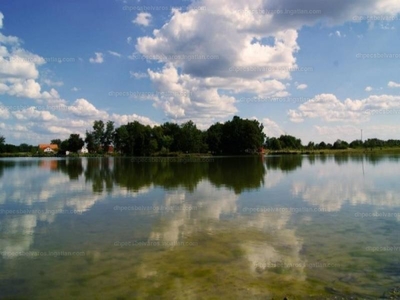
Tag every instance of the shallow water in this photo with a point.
(251, 227)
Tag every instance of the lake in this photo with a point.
(305, 227)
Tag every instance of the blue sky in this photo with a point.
(319, 70)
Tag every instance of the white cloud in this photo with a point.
(32, 113)
(75, 89)
(368, 89)
(98, 59)
(114, 53)
(271, 129)
(19, 71)
(186, 98)
(328, 108)
(83, 108)
(124, 119)
(1, 20)
(53, 83)
(143, 19)
(138, 75)
(393, 84)
(302, 86)
(4, 112)
(129, 39)
(190, 45)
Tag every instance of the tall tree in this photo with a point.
(98, 134)
(2, 143)
(190, 139)
(75, 143)
(90, 142)
(214, 138)
(107, 138)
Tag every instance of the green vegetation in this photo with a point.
(287, 144)
(235, 137)
(238, 136)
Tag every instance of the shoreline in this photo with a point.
(176, 155)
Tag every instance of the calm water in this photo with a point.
(250, 228)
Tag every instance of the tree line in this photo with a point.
(288, 142)
(236, 136)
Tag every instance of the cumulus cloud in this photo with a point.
(393, 84)
(190, 45)
(329, 108)
(271, 128)
(368, 89)
(19, 71)
(31, 113)
(124, 119)
(185, 98)
(199, 62)
(98, 59)
(83, 108)
(142, 19)
(4, 112)
(302, 86)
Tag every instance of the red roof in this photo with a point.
(51, 146)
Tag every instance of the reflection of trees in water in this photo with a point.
(289, 163)
(99, 172)
(72, 167)
(284, 163)
(135, 175)
(4, 164)
(372, 158)
(237, 173)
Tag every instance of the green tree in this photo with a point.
(311, 146)
(240, 136)
(90, 142)
(274, 144)
(190, 139)
(64, 146)
(107, 137)
(98, 134)
(290, 142)
(24, 147)
(173, 131)
(75, 143)
(2, 143)
(122, 141)
(57, 142)
(214, 138)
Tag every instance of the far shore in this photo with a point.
(394, 150)
(349, 151)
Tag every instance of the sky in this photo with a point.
(318, 70)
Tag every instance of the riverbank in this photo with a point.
(395, 150)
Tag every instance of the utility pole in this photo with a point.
(361, 135)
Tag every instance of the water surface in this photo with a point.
(251, 227)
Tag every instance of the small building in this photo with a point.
(84, 150)
(48, 148)
(110, 149)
